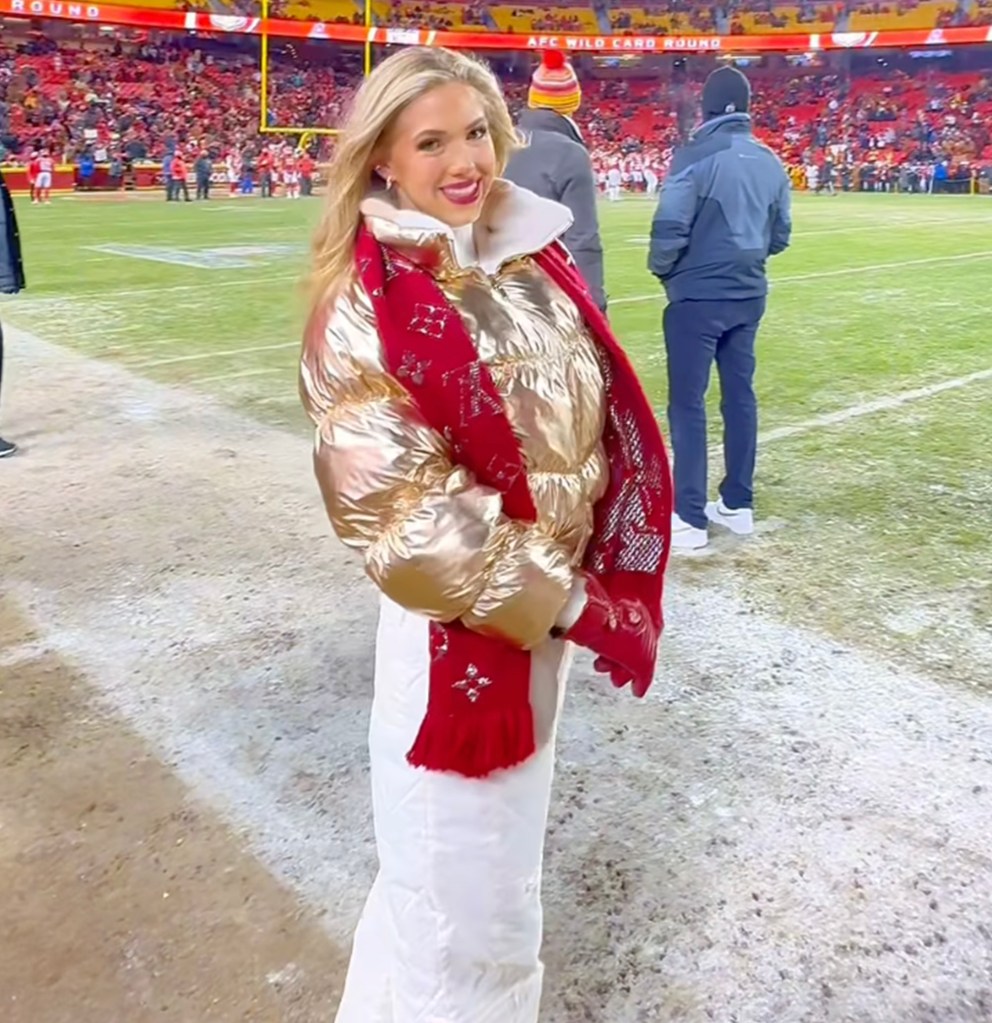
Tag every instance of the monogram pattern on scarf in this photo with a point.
(413, 368)
(439, 642)
(503, 471)
(429, 320)
(473, 399)
(473, 683)
(394, 265)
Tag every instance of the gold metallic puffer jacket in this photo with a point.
(434, 540)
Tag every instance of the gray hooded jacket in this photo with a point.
(556, 165)
(11, 267)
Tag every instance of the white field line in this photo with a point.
(844, 271)
(136, 347)
(27, 303)
(211, 355)
(984, 254)
(240, 282)
(210, 232)
(257, 372)
(637, 241)
(976, 222)
(815, 206)
(90, 338)
(867, 408)
(278, 399)
(235, 208)
(822, 421)
(139, 346)
(86, 340)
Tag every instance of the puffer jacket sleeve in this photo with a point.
(433, 539)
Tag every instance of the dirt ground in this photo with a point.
(787, 830)
(124, 898)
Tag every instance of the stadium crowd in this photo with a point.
(142, 97)
(725, 17)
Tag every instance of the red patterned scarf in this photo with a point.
(479, 717)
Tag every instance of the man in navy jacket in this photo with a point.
(723, 210)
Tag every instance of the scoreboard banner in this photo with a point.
(201, 21)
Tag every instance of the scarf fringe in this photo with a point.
(475, 747)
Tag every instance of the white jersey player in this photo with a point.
(650, 180)
(613, 183)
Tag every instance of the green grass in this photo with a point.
(883, 520)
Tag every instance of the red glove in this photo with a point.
(621, 633)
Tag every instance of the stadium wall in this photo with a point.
(147, 176)
(227, 24)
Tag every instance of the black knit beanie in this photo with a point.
(726, 91)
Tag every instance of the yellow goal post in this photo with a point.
(290, 129)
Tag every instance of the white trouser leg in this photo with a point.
(367, 997)
(459, 922)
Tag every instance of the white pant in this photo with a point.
(451, 931)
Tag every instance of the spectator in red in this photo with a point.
(307, 167)
(33, 168)
(179, 172)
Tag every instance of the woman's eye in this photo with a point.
(479, 133)
(429, 146)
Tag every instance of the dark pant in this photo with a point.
(695, 334)
(203, 188)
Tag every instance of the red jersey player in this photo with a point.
(307, 167)
(33, 177)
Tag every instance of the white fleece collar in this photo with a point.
(514, 222)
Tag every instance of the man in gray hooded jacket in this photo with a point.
(11, 272)
(555, 164)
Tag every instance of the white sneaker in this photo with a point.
(739, 520)
(686, 537)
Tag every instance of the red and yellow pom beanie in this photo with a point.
(554, 85)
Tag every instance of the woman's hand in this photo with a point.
(621, 633)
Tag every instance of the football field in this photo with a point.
(875, 382)
(792, 827)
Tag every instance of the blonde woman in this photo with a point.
(483, 443)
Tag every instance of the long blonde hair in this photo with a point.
(392, 86)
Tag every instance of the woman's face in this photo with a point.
(440, 155)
